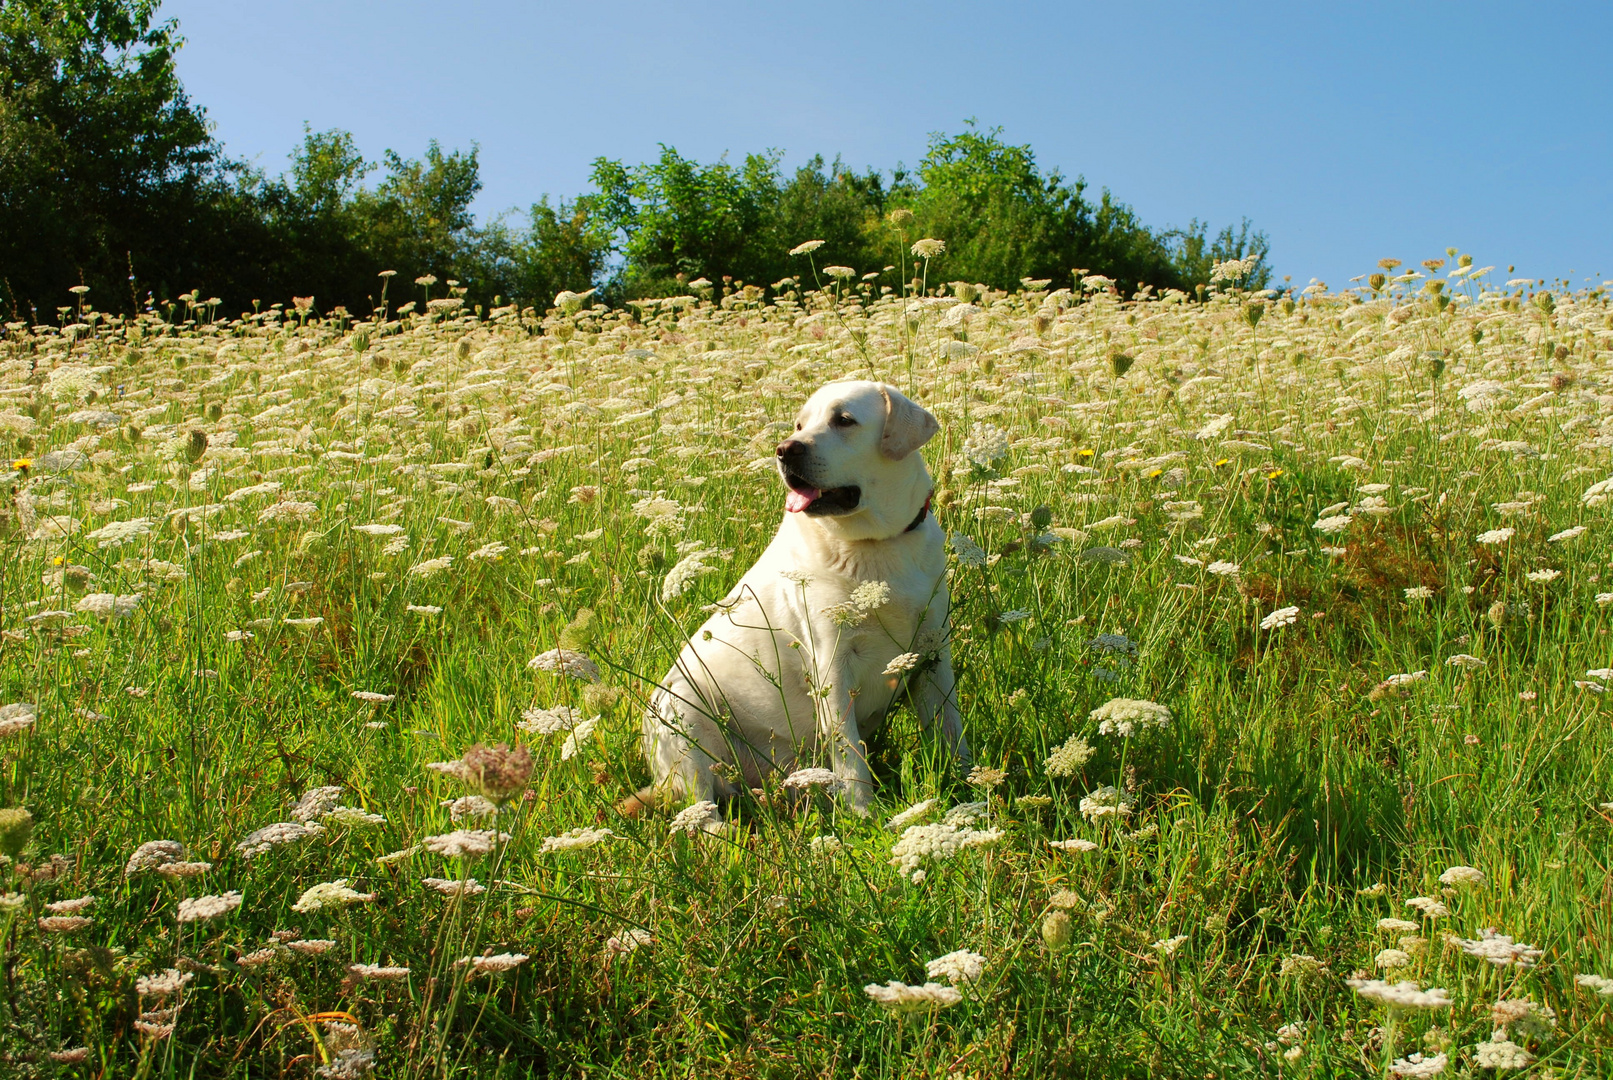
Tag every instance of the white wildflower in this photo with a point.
(1123, 716)
(330, 894)
(899, 997)
(1283, 616)
(1401, 995)
(697, 817)
(1106, 802)
(574, 839)
(1067, 759)
(464, 842)
(962, 966)
(200, 908)
(566, 662)
(1418, 1067)
(921, 843)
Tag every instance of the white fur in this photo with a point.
(741, 691)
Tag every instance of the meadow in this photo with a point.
(1278, 617)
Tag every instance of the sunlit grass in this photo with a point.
(415, 508)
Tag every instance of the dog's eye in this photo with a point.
(798, 425)
(845, 420)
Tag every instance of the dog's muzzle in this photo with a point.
(805, 495)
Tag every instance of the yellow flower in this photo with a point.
(1156, 474)
(22, 464)
(1274, 474)
(1086, 453)
(1222, 462)
(59, 561)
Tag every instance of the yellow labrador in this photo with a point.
(798, 665)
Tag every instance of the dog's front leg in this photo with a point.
(938, 698)
(848, 756)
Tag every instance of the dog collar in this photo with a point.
(923, 512)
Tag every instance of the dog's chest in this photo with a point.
(891, 629)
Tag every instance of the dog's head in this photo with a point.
(853, 458)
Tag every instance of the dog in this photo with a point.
(796, 664)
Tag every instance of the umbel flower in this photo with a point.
(330, 894)
(1123, 716)
(899, 997)
(962, 966)
(497, 773)
(1067, 759)
(204, 908)
(1401, 995)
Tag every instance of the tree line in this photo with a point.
(110, 178)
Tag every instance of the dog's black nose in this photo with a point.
(789, 448)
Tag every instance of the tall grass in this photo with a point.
(1184, 454)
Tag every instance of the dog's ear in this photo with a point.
(908, 425)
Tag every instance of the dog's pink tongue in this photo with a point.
(797, 501)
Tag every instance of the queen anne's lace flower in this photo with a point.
(1499, 950)
(203, 908)
(1418, 1067)
(1596, 984)
(968, 552)
(1072, 845)
(1501, 1053)
(901, 665)
(574, 840)
(899, 997)
(330, 894)
(1106, 802)
(1401, 995)
(462, 843)
(316, 803)
(167, 984)
(549, 721)
(921, 843)
(566, 662)
(1123, 716)
(1167, 946)
(1068, 757)
(811, 778)
(697, 817)
(454, 887)
(962, 966)
(1463, 875)
(1284, 616)
(986, 445)
(378, 972)
(627, 941)
(153, 854)
(494, 964)
(913, 813)
(272, 836)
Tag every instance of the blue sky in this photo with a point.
(1348, 132)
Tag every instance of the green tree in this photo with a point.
(103, 158)
(1003, 219)
(676, 220)
(418, 218)
(563, 247)
(1196, 254)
